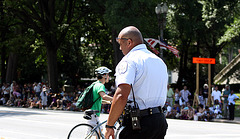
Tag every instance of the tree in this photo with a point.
(233, 30)
(184, 27)
(4, 25)
(195, 27)
(51, 20)
(216, 15)
(137, 13)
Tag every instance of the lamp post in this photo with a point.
(161, 11)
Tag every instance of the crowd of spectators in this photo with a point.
(40, 96)
(181, 108)
(178, 105)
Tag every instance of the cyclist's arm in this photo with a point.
(105, 96)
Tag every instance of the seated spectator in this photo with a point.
(208, 114)
(2, 99)
(29, 101)
(10, 101)
(175, 112)
(217, 109)
(63, 101)
(39, 104)
(18, 102)
(168, 110)
(55, 102)
(34, 101)
(183, 112)
(187, 112)
(190, 112)
(73, 107)
(200, 112)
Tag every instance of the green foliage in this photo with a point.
(83, 32)
(141, 14)
(233, 31)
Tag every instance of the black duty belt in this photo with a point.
(150, 111)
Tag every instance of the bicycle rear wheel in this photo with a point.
(83, 131)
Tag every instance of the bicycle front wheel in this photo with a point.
(83, 131)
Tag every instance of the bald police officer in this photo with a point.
(148, 76)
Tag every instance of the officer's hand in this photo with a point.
(109, 133)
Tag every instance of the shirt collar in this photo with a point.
(138, 47)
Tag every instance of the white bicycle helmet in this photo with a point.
(102, 70)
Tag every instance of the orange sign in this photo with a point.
(204, 60)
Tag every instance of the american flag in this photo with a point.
(163, 45)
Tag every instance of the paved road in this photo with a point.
(21, 123)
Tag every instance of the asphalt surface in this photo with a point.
(23, 123)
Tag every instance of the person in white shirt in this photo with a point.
(37, 89)
(185, 93)
(44, 96)
(177, 96)
(231, 104)
(216, 94)
(142, 73)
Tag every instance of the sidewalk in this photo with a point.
(235, 121)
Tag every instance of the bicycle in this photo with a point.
(87, 131)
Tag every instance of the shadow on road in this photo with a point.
(17, 112)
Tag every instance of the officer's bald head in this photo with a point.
(133, 33)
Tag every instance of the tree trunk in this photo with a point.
(118, 55)
(52, 67)
(11, 68)
(3, 63)
(3, 47)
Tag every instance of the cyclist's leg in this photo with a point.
(94, 122)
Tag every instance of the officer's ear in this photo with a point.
(129, 41)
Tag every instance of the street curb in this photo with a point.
(227, 121)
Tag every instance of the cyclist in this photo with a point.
(99, 91)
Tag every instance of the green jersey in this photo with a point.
(97, 88)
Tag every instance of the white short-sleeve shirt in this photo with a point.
(148, 75)
(216, 95)
(231, 99)
(185, 94)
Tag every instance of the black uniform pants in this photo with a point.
(152, 127)
(231, 111)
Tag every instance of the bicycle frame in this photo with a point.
(101, 134)
(98, 127)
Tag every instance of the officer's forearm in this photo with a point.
(118, 103)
